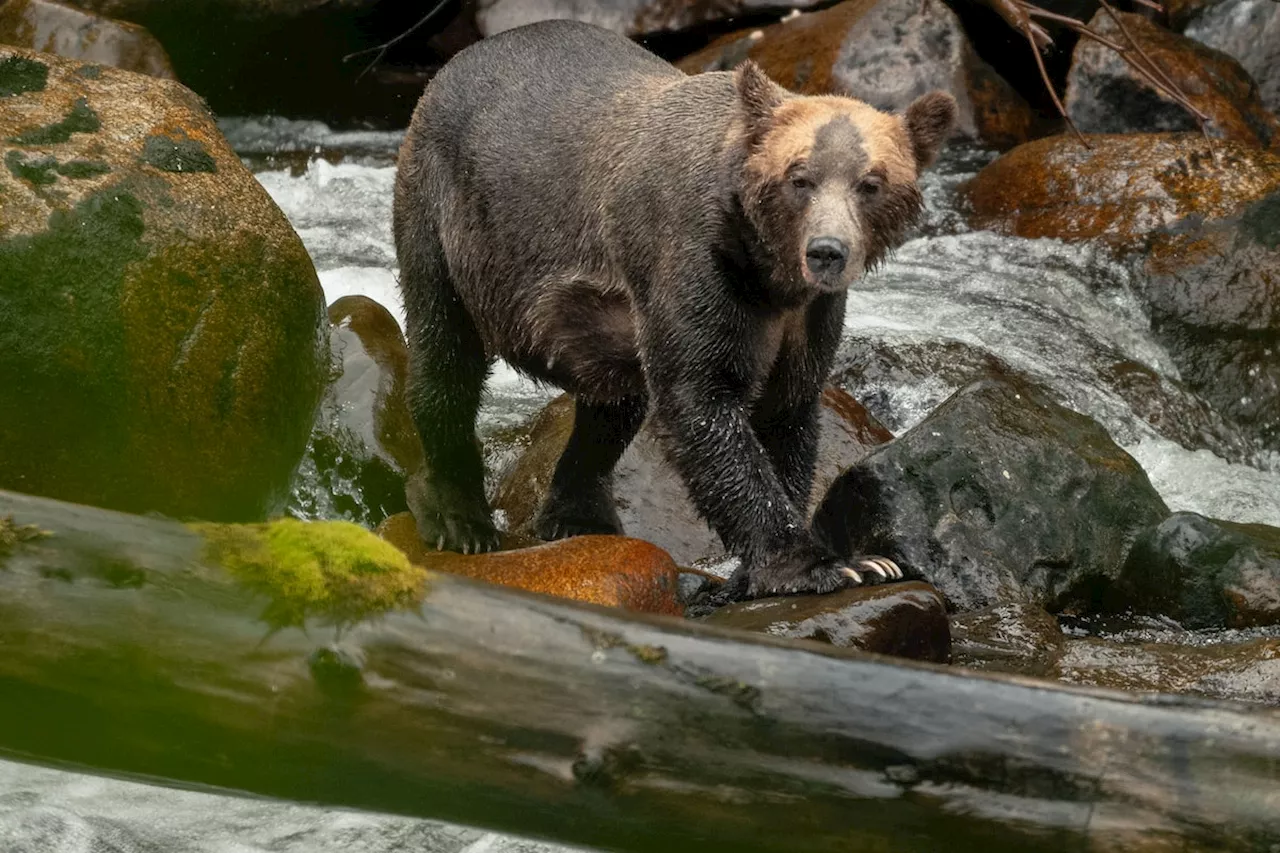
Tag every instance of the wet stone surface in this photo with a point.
(1018, 638)
(901, 619)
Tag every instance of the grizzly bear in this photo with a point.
(658, 245)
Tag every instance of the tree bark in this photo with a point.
(124, 651)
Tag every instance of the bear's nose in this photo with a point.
(826, 255)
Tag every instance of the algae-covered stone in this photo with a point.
(162, 336)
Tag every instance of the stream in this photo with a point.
(1061, 314)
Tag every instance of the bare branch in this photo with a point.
(385, 46)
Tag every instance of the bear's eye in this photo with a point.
(801, 182)
(870, 185)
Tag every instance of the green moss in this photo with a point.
(83, 168)
(39, 172)
(81, 119)
(12, 534)
(331, 570)
(177, 155)
(19, 74)
(90, 72)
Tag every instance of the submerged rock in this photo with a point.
(1017, 638)
(1243, 672)
(1205, 573)
(162, 335)
(1105, 94)
(1199, 221)
(651, 498)
(629, 17)
(615, 571)
(1000, 495)
(364, 443)
(1249, 30)
(71, 33)
(885, 52)
(902, 619)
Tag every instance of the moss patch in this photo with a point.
(334, 571)
(83, 168)
(81, 119)
(90, 72)
(19, 74)
(12, 534)
(177, 155)
(39, 172)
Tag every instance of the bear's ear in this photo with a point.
(759, 96)
(930, 119)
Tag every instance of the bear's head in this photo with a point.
(829, 183)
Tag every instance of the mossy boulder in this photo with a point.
(163, 343)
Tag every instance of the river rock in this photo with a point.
(999, 495)
(615, 571)
(902, 619)
(364, 443)
(629, 17)
(72, 33)
(1205, 573)
(1105, 94)
(1199, 222)
(1017, 638)
(1249, 30)
(1243, 672)
(650, 496)
(884, 52)
(162, 331)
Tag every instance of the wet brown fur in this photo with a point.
(603, 222)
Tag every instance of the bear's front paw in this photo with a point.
(448, 520)
(583, 515)
(811, 569)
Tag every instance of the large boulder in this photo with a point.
(1249, 30)
(1205, 573)
(884, 52)
(629, 17)
(1105, 94)
(650, 496)
(162, 335)
(1198, 219)
(364, 444)
(72, 33)
(999, 495)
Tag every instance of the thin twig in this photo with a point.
(384, 47)
(1025, 21)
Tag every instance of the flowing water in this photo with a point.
(1063, 315)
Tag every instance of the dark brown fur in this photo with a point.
(644, 240)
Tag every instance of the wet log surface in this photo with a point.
(124, 652)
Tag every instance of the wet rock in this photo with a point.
(364, 443)
(999, 495)
(49, 27)
(650, 497)
(1205, 573)
(902, 619)
(615, 571)
(1244, 672)
(162, 331)
(885, 52)
(1199, 224)
(1121, 189)
(1105, 94)
(1248, 30)
(1018, 638)
(629, 17)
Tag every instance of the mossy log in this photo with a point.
(253, 660)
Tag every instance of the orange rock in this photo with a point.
(1121, 189)
(885, 52)
(615, 571)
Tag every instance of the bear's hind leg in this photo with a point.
(580, 500)
(447, 372)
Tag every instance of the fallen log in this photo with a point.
(146, 648)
